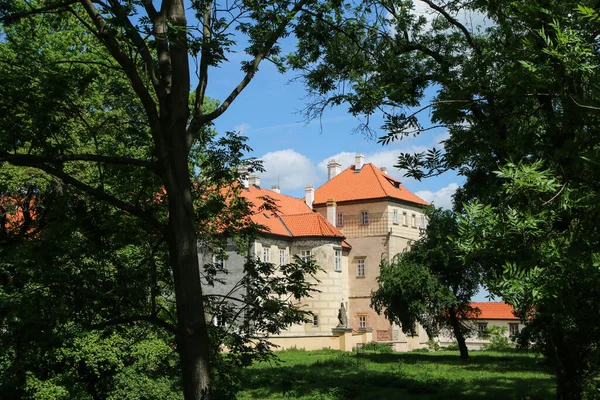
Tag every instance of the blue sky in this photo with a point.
(295, 152)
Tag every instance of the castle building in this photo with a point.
(348, 224)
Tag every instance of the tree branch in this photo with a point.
(454, 22)
(199, 119)
(153, 319)
(112, 45)
(40, 163)
(10, 18)
(26, 159)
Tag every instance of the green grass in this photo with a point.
(331, 374)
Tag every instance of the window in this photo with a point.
(422, 222)
(413, 221)
(513, 329)
(404, 219)
(364, 217)
(362, 321)
(337, 260)
(482, 332)
(360, 267)
(217, 261)
(266, 254)
(315, 321)
(281, 257)
(305, 255)
(395, 217)
(340, 220)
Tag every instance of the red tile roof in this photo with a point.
(365, 184)
(292, 217)
(494, 310)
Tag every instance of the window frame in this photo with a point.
(305, 255)
(337, 260)
(364, 217)
(404, 218)
(339, 221)
(267, 254)
(482, 332)
(361, 262)
(395, 217)
(315, 321)
(362, 321)
(218, 261)
(282, 257)
(512, 325)
(413, 221)
(422, 222)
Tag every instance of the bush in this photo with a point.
(378, 347)
(453, 346)
(433, 345)
(498, 339)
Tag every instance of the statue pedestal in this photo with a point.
(340, 330)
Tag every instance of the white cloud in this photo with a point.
(386, 158)
(242, 128)
(473, 21)
(287, 168)
(441, 198)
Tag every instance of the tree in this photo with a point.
(519, 91)
(147, 47)
(115, 128)
(429, 284)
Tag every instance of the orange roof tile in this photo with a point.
(494, 310)
(366, 184)
(310, 224)
(292, 217)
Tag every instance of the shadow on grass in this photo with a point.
(514, 361)
(341, 377)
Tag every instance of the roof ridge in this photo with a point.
(378, 177)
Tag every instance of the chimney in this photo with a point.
(254, 180)
(310, 195)
(243, 171)
(384, 170)
(359, 161)
(331, 212)
(276, 189)
(333, 169)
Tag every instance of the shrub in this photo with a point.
(498, 339)
(378, 347)
(433, 345)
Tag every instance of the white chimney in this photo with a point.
(359, 161)
(333, 169)
(331, 214)
(275, 188)
(254, 180)
(243, 171)
(384, 170)
(310, 195)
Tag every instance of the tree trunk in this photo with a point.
(569, 382)
(567, 386)
(458, 334)
(192, 332)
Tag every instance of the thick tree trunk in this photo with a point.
(568, 387)
(192, 336)
(458, 334)
(569, 382)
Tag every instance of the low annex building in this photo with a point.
(490, 314)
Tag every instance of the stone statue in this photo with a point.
(342, 317)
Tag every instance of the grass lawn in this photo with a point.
(332, 374)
